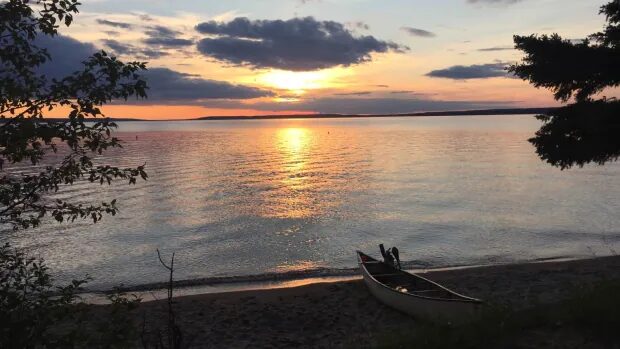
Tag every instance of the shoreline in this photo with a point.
(344, 314)
(271, 281)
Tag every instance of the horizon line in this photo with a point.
(471, 112)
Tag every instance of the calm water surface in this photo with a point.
(236, 198)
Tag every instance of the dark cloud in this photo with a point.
(159, 30)
(164, 37)
(168, 42)
(365, 105)
(145, 17)
(381, 93)
(358, 25)
(123, 49)
(418, 32)
(383, 86)
(360, 93)
(114, 24)
(118, 47)
(166, 86)
(66, 53)
(476, 71)
(496, 48)
(169, 86)
(298, 44)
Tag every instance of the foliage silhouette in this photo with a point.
(589, 129)
(27, 136)
(36, 314)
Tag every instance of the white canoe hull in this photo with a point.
(442, 310)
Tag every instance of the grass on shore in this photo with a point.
(590, 318)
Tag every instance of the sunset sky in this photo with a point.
(254, 57)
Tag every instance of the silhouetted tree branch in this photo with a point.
(34, 313)
(588, 130)
(26, 96)
(173, 338)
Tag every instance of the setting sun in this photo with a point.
(299, 82)
(321, 168)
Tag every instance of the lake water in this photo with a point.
(235, 198)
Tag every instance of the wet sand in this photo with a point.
(344, 314)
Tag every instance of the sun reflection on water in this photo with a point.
(253, 197)
(293, 139)
(293, 145)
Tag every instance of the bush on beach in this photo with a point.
(37, 314)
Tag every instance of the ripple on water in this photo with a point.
(233, 198)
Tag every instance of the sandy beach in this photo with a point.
(344, 314)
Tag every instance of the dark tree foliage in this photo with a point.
(588, 130)
(27, 136)
(36, 314)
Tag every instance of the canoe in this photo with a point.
(413, 294)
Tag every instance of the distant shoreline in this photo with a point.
(504, 111)
(512, 111)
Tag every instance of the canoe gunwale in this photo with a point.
(461, 298)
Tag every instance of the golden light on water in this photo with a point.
(293, 145)
(293, 140)
(302, 175)
(298, 266)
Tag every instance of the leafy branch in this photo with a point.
(27, 96)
